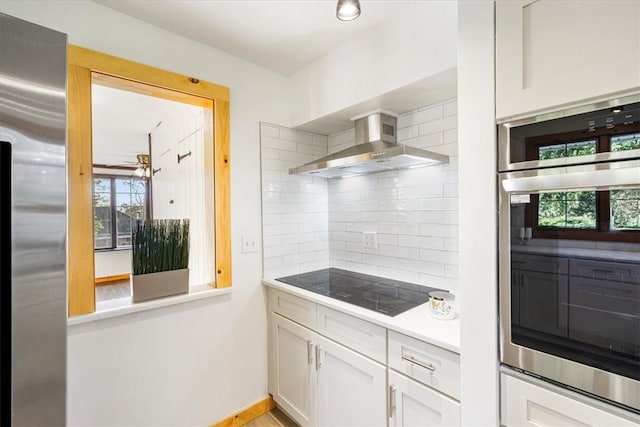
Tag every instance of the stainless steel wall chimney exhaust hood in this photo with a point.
(376, 150)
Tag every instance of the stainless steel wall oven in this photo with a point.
(569, 248)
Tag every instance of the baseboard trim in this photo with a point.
(248, 414)
(111, 279)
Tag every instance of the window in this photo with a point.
(117, 203)
(586, 215)
(82, 65)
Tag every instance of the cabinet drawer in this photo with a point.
(621, 272)
(524, 403)
(426, 363)
(292, 307)
(357, 334)
(540, 263)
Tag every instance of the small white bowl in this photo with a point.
(441, 305)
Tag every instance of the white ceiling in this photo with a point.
(284, 36)
(122, 121)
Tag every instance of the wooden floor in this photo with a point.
(275, 418)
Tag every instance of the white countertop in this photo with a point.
(600, 254)
(416, 323)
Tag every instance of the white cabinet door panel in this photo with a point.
(416, 405)
(351, 388)
(294, 369)
(554, 53)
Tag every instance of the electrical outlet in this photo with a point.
(249, 244)
(369, 240)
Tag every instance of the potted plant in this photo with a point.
(160, 258)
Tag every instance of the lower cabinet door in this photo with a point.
(414, 404)
(294, 377)
(351, 389)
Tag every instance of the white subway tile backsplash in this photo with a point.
(294, 135)
(294, 207)
(380, 260)
(427, 114)
(408, 132)
(278, 144)
(442, 257)
(451, 108)
(272, 241)
(451, 245)
(422, 242)
(423, 267)
(402, 275)
(439, 230)
(267, 130)
(439, 281)
(421, 192)
(270, 153)
(450, 135)
(388, 239)
(296, 157)
(413, 211)
(312, 149)
(399, 252)
(398, 228)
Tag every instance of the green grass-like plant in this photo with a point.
(160, 245)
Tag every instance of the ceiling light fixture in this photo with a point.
(348, 10)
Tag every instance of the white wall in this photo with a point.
(198, 362)
(413, 211)
(294, 207)
(112, 263)
(478, 234)
(180, 188)
(413, 47)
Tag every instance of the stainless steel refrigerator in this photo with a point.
(33, 223)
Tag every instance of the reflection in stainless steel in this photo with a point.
(614, 387)
(32, 119)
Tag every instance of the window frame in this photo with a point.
(603, 231)
(113, 207)
(82, 65)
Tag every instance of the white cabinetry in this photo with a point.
(414, 404)
(554, 53)
(417, 390)
(351, 389)
(318, 381)
(525, 403)
(294, 368)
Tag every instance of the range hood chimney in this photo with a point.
(376, 150)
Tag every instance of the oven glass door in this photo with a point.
(574, 273)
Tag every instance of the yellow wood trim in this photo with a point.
(118, 67)
(146, 89)
(222, 193)
(80, 212)
(82, 63)
(105, 280)
(247, 414)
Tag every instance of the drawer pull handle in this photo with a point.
(599, 270)
(309, 352)
(392, 401)
(426, 365)
(318, 354)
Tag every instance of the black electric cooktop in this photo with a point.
(386, 296)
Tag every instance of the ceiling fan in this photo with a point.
(143, 169)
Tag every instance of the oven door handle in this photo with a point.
(600, 176)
